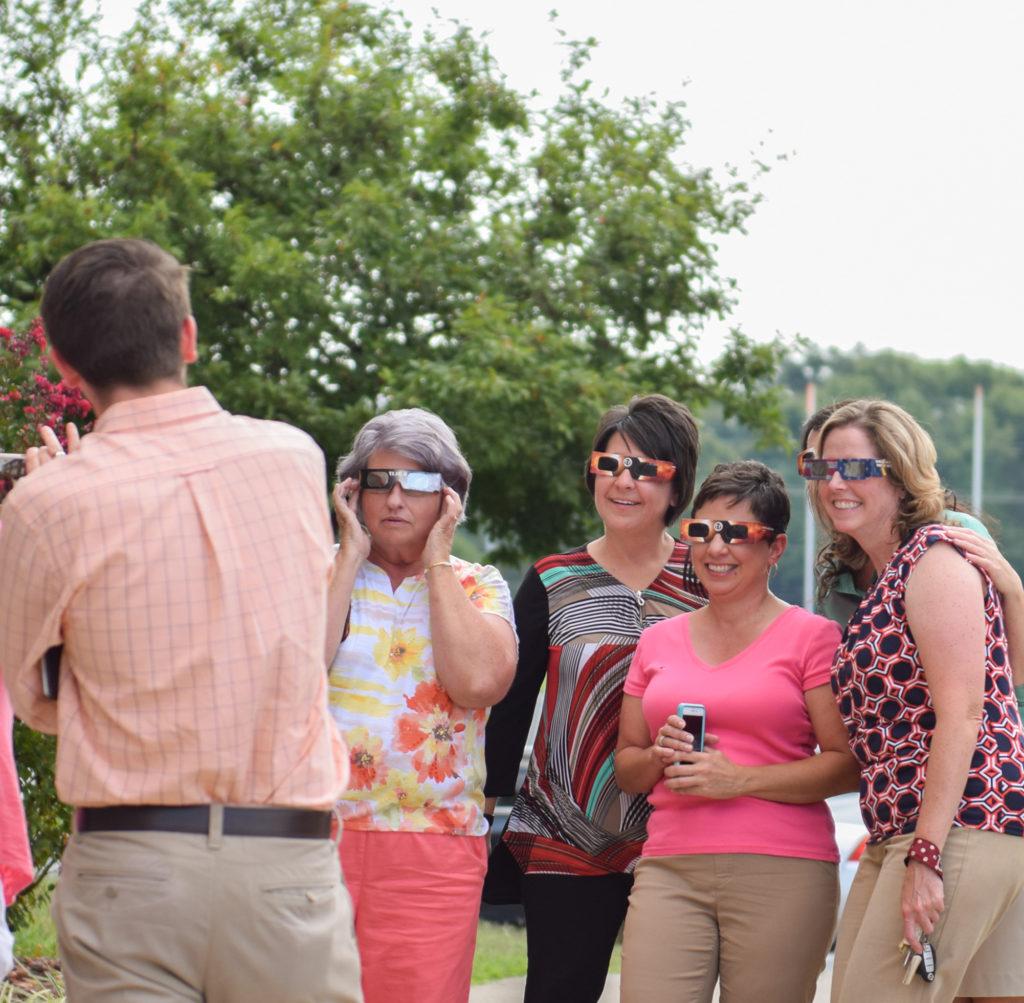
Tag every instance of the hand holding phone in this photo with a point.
(694, 719)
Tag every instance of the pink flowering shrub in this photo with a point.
(29, 397)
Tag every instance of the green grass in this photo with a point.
(37, 938)
(501, 953)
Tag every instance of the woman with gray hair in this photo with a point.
(420, 644)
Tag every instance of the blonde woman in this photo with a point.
(923, 684)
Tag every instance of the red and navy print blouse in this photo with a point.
(885, 702)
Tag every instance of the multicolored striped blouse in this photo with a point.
(578, 628)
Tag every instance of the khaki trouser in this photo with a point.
(760, 924)
(977, 954)
(161, 916)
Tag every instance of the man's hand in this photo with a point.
(36, 456)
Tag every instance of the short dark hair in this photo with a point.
(114, 310)
(817, 420)
(663, 429)
(749, 481)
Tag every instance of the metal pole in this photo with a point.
(977, 461)
(810, 406)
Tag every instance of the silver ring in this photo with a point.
(661, 740)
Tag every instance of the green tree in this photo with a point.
(376, 221)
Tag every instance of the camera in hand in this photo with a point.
(12, 466)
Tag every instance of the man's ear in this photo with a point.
(189, 338)
(68, 373)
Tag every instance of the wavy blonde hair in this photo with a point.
(910, 453)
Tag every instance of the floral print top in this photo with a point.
(417, 759)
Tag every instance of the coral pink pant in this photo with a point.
(416, 898)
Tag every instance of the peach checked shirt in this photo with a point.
(182, 556)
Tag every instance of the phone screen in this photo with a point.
(694, 724)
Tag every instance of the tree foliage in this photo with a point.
(378, 220)
(940, 394)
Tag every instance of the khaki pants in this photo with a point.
(977, 953)
(159, 916)
(760, 924)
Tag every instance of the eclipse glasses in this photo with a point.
(414, 482)
(705, 530)
(811, 468)
(639, 467)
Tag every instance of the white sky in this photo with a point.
(897, 220)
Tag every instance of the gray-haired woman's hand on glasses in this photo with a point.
(353, 540)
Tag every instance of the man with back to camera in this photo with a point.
(181, 556)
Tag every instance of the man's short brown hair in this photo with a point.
(114, 310)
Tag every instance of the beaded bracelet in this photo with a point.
(925, 852)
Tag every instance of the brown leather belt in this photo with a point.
(290, 823)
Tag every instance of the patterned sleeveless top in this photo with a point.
(886, 704)
(578, 629)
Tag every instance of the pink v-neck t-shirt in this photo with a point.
(755, 704)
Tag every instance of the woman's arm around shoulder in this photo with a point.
(983, 553)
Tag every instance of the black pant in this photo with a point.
(571, 926)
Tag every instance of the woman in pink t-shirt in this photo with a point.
(738, 879)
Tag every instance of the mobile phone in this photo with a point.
(694, 718)
(50, 669)
(12, 466)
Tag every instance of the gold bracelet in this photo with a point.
(438, 564)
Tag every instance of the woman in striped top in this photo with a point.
(573, 834)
